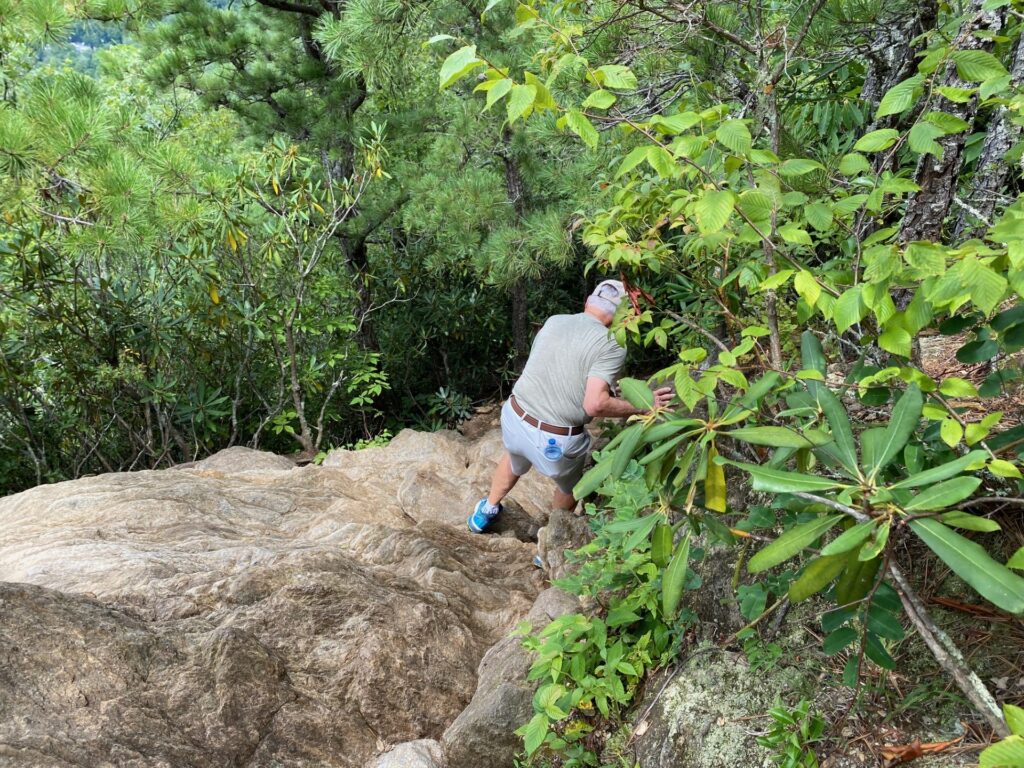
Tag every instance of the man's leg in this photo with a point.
(503, 480)
(563, 500)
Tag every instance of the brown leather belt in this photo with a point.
(543, 427)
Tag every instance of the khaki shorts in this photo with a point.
(525, 445)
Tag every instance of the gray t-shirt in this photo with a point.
(568, 350)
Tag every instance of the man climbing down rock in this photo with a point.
(568, 380)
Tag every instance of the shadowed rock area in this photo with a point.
(244, 612)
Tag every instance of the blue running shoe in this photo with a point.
(480, 519)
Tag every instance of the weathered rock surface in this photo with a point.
(703, 717)
(242, 612)
(483, 734)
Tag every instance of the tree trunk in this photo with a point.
(992, 170)
(520, 296)
(937, 176)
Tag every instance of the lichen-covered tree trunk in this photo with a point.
(992, 169)
(937, 175)
(520, 296)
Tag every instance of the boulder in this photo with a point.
(243, 611)
(424, 753)
(483, 734)
(702, 718)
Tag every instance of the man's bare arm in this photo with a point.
(599, 402)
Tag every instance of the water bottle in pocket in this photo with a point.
(552, 450)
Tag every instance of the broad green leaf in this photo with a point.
(798, 166)
(943, 471)
(1004, 468)
(499, 90)
(956, 387)
(849, 539)
(781, 481)
(756, 204)
(713, 210)
(1008, 753)
(992, 580)
(1017, 561)
(734, 135)
(458, 64)
(792, 233)
(877, 141)
(1014, 717)
(637, 393)
(900, 97)
(812, 356)
(714, 483)
(818, 574)
(839, 639)
(807, 287)
(632, 160)
(624, 451)
(640, 534)
(849, 308)
(791, 542)
(895, 340)
(661, 160)
(599, 100)
(854, 164)
(616, 76)
(819, 216)
(921, 139)
(674, 579)
(951, 432)
(520, 102)
(534, 732)
(661, 544)
(779, 437)
(969, 522)
(835, 413)
(674, 124)
(582, 127)
(879, 538)
(905, 416)
(943, 495)
(593, 478)
(977, 66)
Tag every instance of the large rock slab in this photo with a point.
(245, 612)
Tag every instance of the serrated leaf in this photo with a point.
(499, 90)
(616, 76)
(819, 216)
(968, 560)
(877, 141)
(895, 340)
(520, 101)
(792, 233)
(791, 542)
(921, 139)
(582, 127)
(459, 63)
(977, 66)
(854, 164)
(957, 387)
(1008, 753)
(1014, 717)
(899, 98)
(1003, 468)
(599, 100)
(756, 204)
(674, 124)
(798, 166)
(661, 161)
(849, 309)
(632, 160)
(734, 135)
(713, 210)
